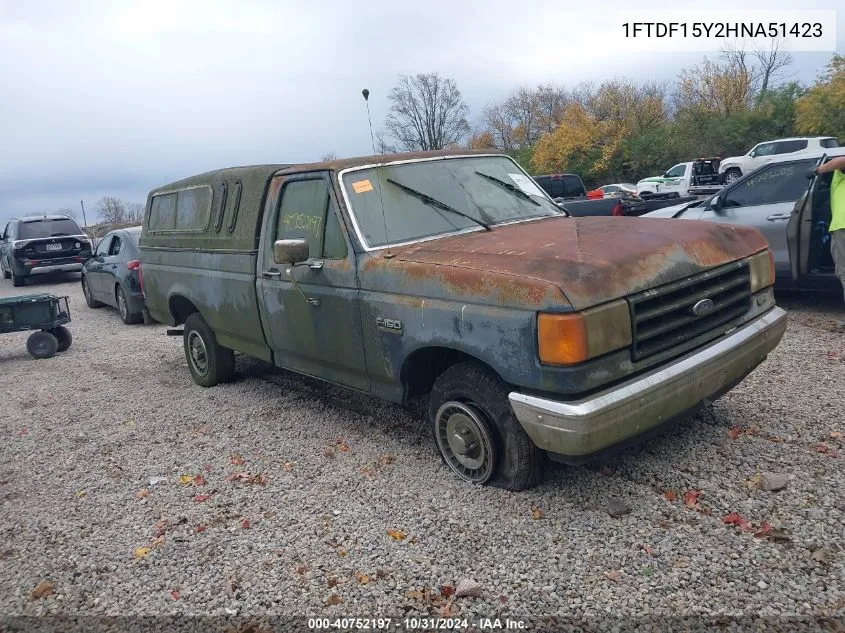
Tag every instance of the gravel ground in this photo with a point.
(341, 506)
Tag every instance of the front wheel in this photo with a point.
(732, 175)
(42, 345)
(208, 362)
(89, 298)
(476, 432)
(63, 336)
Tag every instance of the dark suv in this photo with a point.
(41, 245)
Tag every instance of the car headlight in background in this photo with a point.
(762, 267)
(570, 338)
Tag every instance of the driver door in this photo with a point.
(314, 328)
(676, 179)
(95, 274)
(799, 229)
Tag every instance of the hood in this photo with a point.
(733, 161)
(670, 212)
(655, 179)
(592, 259)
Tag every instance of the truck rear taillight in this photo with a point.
(134, 264)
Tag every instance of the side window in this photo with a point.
(192, 208)
(677, 171)
(543, 181)
(307, 211)
(163, 212)
(222, 195)
(556, 188)
(104, 246)
(765, 149)
(777, 183)
(115, 246)
(236, 205)
(573, 186)
(829, 142)
(787, 147)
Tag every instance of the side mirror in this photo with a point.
(290, 251)
(717, 203)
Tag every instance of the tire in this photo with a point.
(6, 273)
(732, 175)
(18, 280)
(63, 336)
(208, 362)
(469, 400)
(129, 318)
(89, 299)
(42, 345)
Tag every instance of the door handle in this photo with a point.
(779, 216)
(271, 274)
(315, 265)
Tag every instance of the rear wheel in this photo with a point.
(18, 280)
(129, 318)
(89, 298)
(208, 362)
(42, 345)
(732, 174)
(476, 432)
(63, 336)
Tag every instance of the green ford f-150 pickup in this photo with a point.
(452, 274)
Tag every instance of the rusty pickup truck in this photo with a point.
(452, 275)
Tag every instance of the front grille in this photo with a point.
(662, 318)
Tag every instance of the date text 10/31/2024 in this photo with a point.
(723, 29)
(415, 624)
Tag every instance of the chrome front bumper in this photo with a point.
(590, 425)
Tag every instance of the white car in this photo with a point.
(618, 190)
(734, 167)
(692, 178)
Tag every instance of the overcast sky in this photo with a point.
(115, 98)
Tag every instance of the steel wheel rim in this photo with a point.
(465, 442)
(197, 353)
(121, 302)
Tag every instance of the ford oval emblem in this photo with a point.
(703, 308)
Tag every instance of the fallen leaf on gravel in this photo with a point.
(503, 599)
(615, 575)
(397, 535)
(201, 498)
(737, 519)
(824, 449)
(450, 609)
(185, 479)
(141, 552)
(288, 465)
(23, 431)
(821, 555)
(342, 446)
(159, 540)
(764, 530)
(648, 549)
(161, 526)
(301, 569)
(342, 553)
(368, 471)
(237, 460)
(176, 595)
(201, 528)
(157, 480)
(691, 498)
(81, 494)
(836, 436)
(670, 495)
(332, 582)
(333, 600)
(385, 460)
(42, 590)
(734, 432)
(238, 477)
(447, 590)
(142, 493)
(328, 452)
(753, 482)
(245, 524)
(467, 587)
(536, 513)
(363, 579)
(199, 480)
(259, 479)
(779, 536)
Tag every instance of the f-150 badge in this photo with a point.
(389, 325)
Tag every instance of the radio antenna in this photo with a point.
(366, 94)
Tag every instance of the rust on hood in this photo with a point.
(591, 260)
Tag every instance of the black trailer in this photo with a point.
(45, 313)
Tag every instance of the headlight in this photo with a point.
(762, 267)
(567, 339)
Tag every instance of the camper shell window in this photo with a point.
(183, 210)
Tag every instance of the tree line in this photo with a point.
(621, 130)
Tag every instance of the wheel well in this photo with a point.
(422, 367)
(181, 308)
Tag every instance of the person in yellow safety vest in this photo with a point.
(837, 214)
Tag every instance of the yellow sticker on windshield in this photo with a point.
(362, 186)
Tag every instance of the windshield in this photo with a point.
(488, 189)
(48, 228)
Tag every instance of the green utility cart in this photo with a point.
(45, 313)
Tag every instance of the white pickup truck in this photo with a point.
(698, 177)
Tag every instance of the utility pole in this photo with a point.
(84, 221)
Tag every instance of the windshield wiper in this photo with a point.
(434, 202)
(506, 185)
